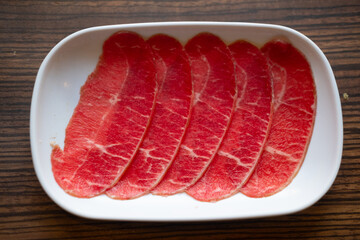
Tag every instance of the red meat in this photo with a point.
(293, 120)
(215, 91)
(167, 128)
(110, 120)
(244, 141)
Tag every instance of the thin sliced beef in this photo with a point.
(109, 122)
(244, 141)
(167, 128)
(293, 120)
(215, 91)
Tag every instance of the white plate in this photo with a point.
(56, 94)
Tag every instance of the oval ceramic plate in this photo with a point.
(56, 93)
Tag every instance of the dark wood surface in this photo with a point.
(29, 29)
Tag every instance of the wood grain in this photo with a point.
(29, 29)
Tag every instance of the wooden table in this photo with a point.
(29, 29)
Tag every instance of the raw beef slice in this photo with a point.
(244, 141)
(167, 128)
(109, 122)
(293, 120)
(215, 93)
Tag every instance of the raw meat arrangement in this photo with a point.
(203, 118)
(244, 141)
(293, 120)
(214, 87)
(167, 128)
(108, 124)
